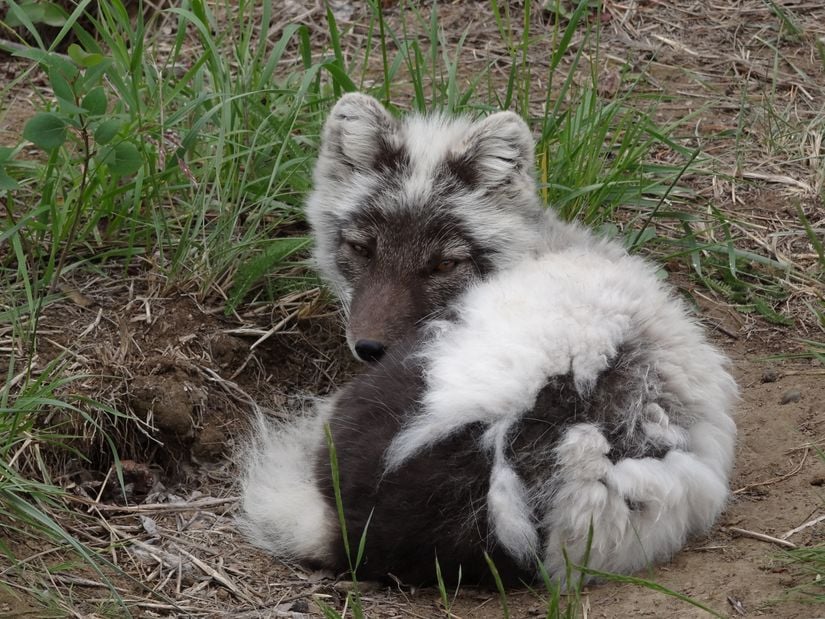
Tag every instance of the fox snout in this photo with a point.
(381, 313)
(369, 350)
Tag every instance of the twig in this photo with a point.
(20, 376)
(737, 605)
(68, 579)
(674, 44)
(814, 444)
(92, 326)
(156, 507)
(277, 327)
(762, 537)
(802, 527)
(780, 179)
(216, 575)
(803, 373)
(246, 331)
(775, 480)
(161, 556)
(722, 329)
(230, 387)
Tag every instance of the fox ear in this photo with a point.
(495, 150)
(359, 135)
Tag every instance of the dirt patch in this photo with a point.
(183, 382)
(186, 374)
(169, 400)
(12, 605)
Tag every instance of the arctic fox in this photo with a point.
(534, 390)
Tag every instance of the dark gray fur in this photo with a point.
(435, 505)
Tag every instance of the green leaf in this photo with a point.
(57, 62)
(60, 85)
(7, 183)
(340, 76)
(635, 241)
(34, 12)
(92, 76)
(95, 101)
(53, 14)
(69, 109)
(106, 131)
(125, 159)
(46, 130)
(47, 13)
(5, 153)
(770, 314)
(84, 58)
(250, 272)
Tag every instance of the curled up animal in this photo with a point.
(532, 389)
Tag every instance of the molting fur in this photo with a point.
(528, 379)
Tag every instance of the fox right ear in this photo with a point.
(496, 149)
(359, 135)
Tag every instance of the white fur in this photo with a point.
(547, 316)
(283, 510)
(558, 301)
(507, 503)
(678, 495)
(569, 312)
(658, 428)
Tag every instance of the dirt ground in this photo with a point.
(194, 554)
(171, 357)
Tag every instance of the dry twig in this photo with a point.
(762, 537)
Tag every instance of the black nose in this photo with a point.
(369, 350)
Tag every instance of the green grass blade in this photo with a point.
(502, 594)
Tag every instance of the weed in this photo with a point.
(811, 560)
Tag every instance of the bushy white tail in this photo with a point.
(283, 510)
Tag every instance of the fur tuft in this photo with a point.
(283, 510)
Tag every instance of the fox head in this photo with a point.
(407, 214)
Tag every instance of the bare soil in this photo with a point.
(176, 374)
(192, 375)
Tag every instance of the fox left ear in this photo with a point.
(358, 136)
(495, 150)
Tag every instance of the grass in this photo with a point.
(31, 502)
(810, 560)
(188, 157)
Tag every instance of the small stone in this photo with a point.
(770, 376)
(299, 606)
(791, 395)
(818, 481)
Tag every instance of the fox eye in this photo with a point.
(445, 266)
(360, 250)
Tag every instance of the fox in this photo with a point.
(533, 396)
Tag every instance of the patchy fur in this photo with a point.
(416, 192)
(529, 381)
